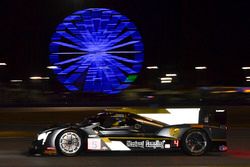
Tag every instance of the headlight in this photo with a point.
(43, 136)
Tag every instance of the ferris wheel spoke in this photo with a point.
(120, 38)
(120, 66)
(87, 35)
(68, 70)
(69, 45)
(73, 39)
(121, 45)
(69, 61)
(124, 59)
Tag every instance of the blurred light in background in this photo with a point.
(219, 110)
(163, 82)
(245, 68)
(152, 67)
(171, 75)
(3, 64)
(16, 80)
(166, 79)
(52, 67)
(201, 68)
(39, 78)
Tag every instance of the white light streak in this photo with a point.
(3, 64)
(245, 68)
(220, 111)
(52, 67)
(201, 68)
(16, 80)
(152, 67)
(166, 79)
(164, 82)
(39, 78)
(171, 75)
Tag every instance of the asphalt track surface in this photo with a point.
(16, 134)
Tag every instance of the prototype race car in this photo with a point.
(126, 131)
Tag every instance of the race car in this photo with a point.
(130, 131)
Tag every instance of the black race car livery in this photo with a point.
(129, 131)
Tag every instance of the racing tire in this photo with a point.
(69, 143)
(195, 142)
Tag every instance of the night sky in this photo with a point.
(177, 34)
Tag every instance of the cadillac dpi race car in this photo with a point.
(131, 131)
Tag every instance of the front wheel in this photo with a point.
(195, 142)
(69, 143)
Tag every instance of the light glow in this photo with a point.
(166, 79)
(39, 78)
(3, 64)
(171, 75)
(245, 68)
(52, 67)
(16, 81)
(201, 68)
(164, 82)
(152, 67)
(220, 111)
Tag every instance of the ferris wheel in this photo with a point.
(96, 50)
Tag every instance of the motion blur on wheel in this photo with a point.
(194, 131)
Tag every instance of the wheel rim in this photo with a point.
(70, 143)
(196, 142)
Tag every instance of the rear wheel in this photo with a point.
(69, 143)
(195, 142)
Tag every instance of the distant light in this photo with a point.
(39, 78)
(152, 67)
(35, 78)
(248, 80)
(163, 82)
(247, 77)
(52, 67)
(227, 91)
(245, 68)
(16, 80)
(201, 68)
(3, 64)
(171, 75)
(246, 90)
(45, 78)
(219, 110)
(166, 79)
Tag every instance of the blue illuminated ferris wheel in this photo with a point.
(96, 50)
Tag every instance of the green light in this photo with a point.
(131, 78)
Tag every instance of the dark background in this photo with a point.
(178, 35)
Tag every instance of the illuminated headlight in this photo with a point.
(43, 136)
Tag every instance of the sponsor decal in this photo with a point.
(147, 144)
(155, 144)
(135, 144)
(94, 144)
